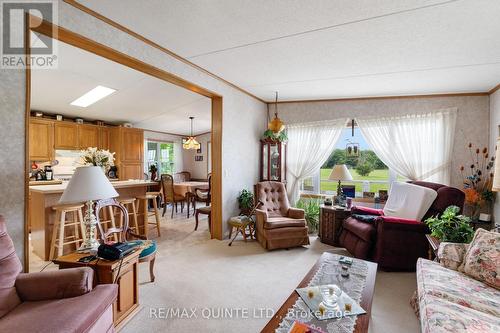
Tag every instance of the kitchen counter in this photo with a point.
(116, 184)
(42, 216)
(44, 182)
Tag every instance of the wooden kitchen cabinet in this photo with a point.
(132, 145)
(104, 138)
(41, 140)
(131, 171)
(66, 135)
(128, 145)
(88, 136)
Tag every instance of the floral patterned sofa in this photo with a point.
(449, 299)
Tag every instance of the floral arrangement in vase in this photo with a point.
(478, 179)
(97, 157)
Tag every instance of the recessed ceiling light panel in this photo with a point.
(93, 96)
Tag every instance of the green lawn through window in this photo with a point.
(377, 175)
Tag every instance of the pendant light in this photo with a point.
(276, 125)
(191, 142)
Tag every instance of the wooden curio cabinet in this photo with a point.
(272, 160)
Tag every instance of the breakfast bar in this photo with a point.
(42, 216)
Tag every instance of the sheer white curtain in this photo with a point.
(417, 146)
(309, 146)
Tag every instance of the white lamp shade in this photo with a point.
(496, 176)
(88, 183)
(340, 172)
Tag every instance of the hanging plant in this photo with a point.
(270, 135)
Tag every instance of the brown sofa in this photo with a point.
(51, 302)
(278, 225)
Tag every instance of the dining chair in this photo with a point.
(123, 233)
(169, 195)
(200, 195)
(207, 210)
(183, 176)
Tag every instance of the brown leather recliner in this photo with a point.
(279, 226)
(395, 243)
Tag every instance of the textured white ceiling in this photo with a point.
(313, 49)
(140, 99)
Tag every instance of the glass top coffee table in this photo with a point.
(361, 323)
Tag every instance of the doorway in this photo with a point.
(215, 110)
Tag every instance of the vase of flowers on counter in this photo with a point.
(478, 180)
(97, 157)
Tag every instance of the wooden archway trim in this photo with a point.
(51, 30)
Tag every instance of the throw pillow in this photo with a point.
(451, 255)
(482, 259)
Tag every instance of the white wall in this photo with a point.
(494, 134)
(472, 121)
(198, 169)
(244, 119)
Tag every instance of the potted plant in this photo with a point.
(451, 227)
(153, 170)
(311, 209)
(245, 202)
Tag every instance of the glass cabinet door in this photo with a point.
(265, 161)
(275, 162)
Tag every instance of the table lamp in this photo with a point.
(88, 184)
(340, 173)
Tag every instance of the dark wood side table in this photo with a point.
(433, 246)
(330, 224)
(105, 272)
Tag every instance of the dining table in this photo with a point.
(182, 188)
(187, 187)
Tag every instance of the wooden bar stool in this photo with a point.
(58, 232)
(144, 199)
(129, 204)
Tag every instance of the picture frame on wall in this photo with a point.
(198, 151)
(198, 158)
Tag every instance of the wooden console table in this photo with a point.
(332, 217)
(330, 224)
(106, 272)
(433, 246)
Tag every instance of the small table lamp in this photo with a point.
(87, 185)
(340, 173)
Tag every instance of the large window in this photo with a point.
(369, 173)
(162, 155)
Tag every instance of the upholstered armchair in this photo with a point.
(54, 301)
(278, 225)
(393, 242)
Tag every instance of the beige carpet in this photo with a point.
(205, 276)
